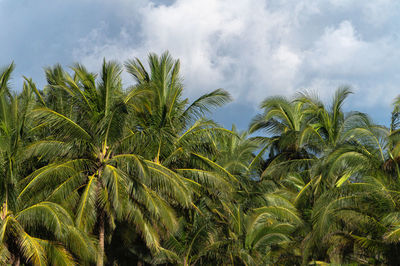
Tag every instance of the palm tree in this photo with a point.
(99, 177)
(292, 143)
(337, 149)
(37, 232)
(164, 118)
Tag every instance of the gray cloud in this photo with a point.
(251, 48)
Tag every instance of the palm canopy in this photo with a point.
(94, 172)
(30, 231)
(165, 104)
(96, 135)
(143, 174)
(291, 142)
(165, 116)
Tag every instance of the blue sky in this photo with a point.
(251, 48)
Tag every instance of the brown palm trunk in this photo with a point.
(17, 261)
(100, 252)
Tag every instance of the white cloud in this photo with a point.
(255, 49)
(334, 49)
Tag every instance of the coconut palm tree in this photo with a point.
(292, 143)
(31, 231)
(165, 118)
(97, 176)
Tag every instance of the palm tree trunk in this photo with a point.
(100, 252)
(17, 261)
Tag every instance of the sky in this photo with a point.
(252, 48)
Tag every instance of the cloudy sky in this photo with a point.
(251, 48)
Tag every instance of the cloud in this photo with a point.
(252, 48)
(259, 48)
(342, 55)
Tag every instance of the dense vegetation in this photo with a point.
(94, 173)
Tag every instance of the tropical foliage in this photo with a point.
(94, 172)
